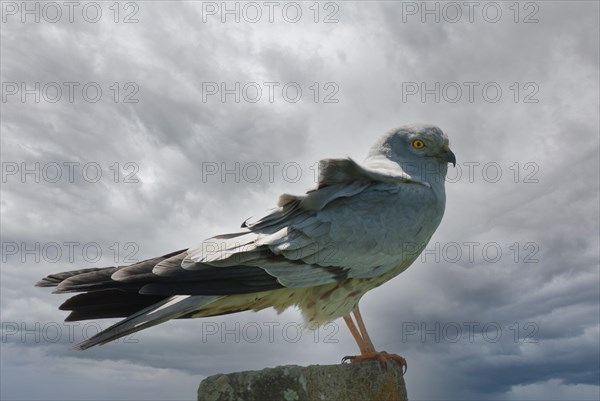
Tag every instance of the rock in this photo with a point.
(367, 381)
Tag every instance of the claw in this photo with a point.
(382, 357)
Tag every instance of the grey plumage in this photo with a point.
(322, 251)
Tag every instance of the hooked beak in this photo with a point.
(448, 156)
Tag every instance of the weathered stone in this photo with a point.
(367, 381)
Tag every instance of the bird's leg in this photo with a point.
(357, 337)
(363, 330)
(367, 350)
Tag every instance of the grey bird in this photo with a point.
(322, 251)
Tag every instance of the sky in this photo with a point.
(133, 129)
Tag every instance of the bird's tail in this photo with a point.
(169, 308)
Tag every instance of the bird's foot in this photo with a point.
(382, 357)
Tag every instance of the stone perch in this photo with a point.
(367, 381)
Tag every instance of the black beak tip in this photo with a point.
(451, 158)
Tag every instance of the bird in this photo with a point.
(321, 252)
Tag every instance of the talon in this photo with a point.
(382, 357)
(367, 350)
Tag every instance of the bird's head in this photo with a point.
(420, 150)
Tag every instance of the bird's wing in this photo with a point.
(356, 223)
(353, 225)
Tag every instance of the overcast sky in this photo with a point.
(124, 140)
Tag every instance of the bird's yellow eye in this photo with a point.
(418, 144)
